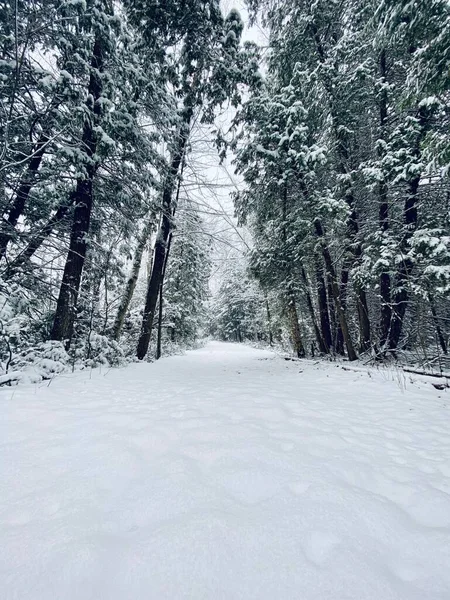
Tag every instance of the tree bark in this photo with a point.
(65, 315)
(8, 229)
(161, 291)
(385, 278)
(321, 343)
(296, 335)
(335, 290)
(28, 252)
(162, 237)
(324, 315)
(132, 281)
(354, 252)
(343, 156)
(336, 331)
(160, 318)
(439, 332)
(363, 319)
(269, 320)
(400, 297)
(29, 178)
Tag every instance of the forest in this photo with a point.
(334, 127)
(224, 299)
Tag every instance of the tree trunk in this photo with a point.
(161, 291)
(386, 308)
(385, 278)
(400, 297)
(322, 346)
(68, 295)
(162, 237)
(363, 319)
(437, 325)
(28, 252)
(8, 229)
(354, 253)
(344, 168)
(132, 280)
(160, 318)
(296, 335)
(337, 337)
(343, 290)
(269, 321)
(291, 307)
(322, 302)
(336, 291)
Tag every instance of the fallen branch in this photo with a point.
(425, 373)
(10, 377)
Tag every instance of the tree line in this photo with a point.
(344, 154)
(99, 101)
(338, 128)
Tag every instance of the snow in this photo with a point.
(228, 473)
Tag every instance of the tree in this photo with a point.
(208, 60)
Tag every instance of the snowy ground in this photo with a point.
(228, 474)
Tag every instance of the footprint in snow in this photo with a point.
(429, 508)
(319, 545)
(248, 486)
(299, 487)
(19, 518)
(406, 570)
(287, 447)
(445, 469)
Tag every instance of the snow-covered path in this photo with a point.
(227, 473)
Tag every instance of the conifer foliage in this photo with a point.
(344, 153)
(342, 148)
(98, 102)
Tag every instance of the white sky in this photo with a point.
(209, 185)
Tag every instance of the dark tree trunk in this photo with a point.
(132, 280)
(400, 296)
(160, 318)
(153, 287)
(161, 292)
(36, 242)
(8, 230)
(68, 295)
(291, 307)
(321, 343)
(385, 309)
(344, 168)
(324, 315)
(363, 319)
(437, 325)
(335, 290)
(269, 321)
(162, 237)
(354, 253)
(326, 335)
(385, 278)
(343, 290)
(337, 337)
(296, 335)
